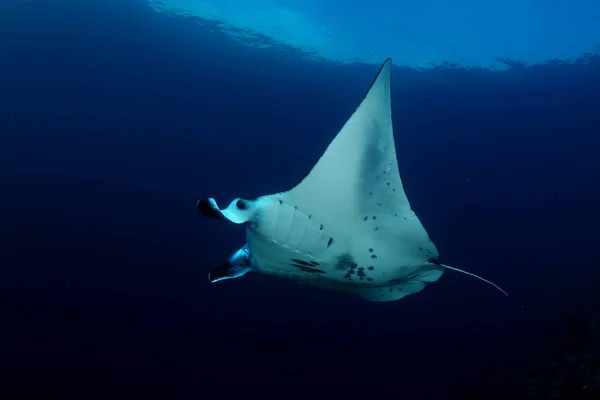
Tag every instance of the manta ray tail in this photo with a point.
(475, 276)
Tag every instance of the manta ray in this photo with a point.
(347, 225)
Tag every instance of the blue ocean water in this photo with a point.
(115, 118)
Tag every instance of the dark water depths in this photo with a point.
(115, 119)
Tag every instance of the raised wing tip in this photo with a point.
(382, 77)
(387, 65)
(384, 71)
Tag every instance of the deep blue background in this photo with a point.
(115, 120)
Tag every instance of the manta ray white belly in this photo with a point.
(347, 225)
(290, 242)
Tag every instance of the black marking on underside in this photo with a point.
(330, 242)
(302, 262)
(322, 154)
(361, 273)
(373, 256)
(304, 268)
(345, 261)
(371, 268)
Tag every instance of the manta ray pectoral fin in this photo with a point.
(475, 276)
(238, 265)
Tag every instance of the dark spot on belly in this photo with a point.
(365, 218)
(330, 242)
(361, 273)
(373, 256)
(370, 250)
(371, 268)
(369, 279)
(302, 262)
(374, 217)
(321, 228)
(345, 261)
(280, 202)
(304, 268)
